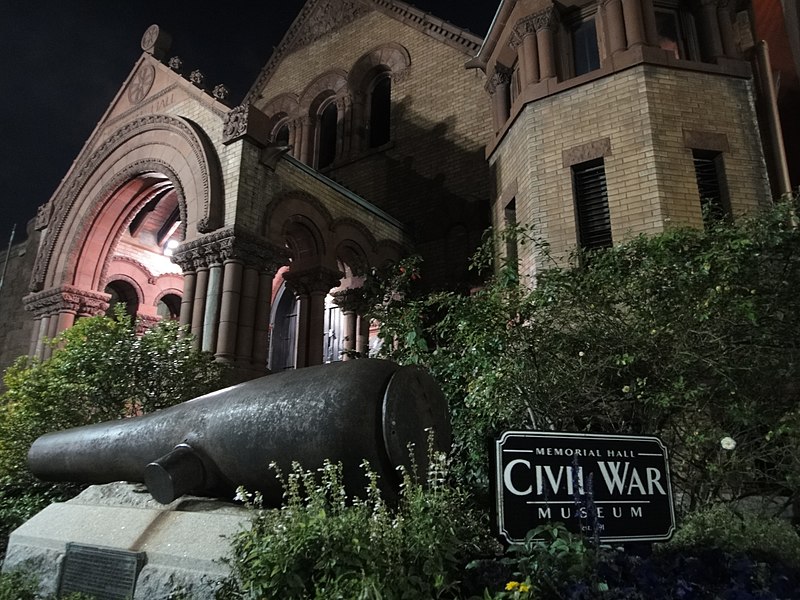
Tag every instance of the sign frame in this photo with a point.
(505, 529)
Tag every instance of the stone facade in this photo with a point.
(365, 138)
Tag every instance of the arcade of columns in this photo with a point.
(629, 24)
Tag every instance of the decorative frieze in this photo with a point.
(67, 298)
(318, 280)
(547, 19)
(229, 244)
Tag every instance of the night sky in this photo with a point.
(64, 60)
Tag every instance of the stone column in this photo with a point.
(247, 315)
(340, 129)
(348, 132)
(350, 301)
(187, 300)
(498, 87)
(199, 300)
(311, 287)
(545, 22)
(725, 17)
(212, 305)
(35, 337)
(634, 22)
(713, 36)
(615, 24)
(362, 335)
(523, 40)
(307, 146)
(294, 139)
(232, 269)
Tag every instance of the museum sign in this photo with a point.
(614, 486)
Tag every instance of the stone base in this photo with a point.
(184, 542)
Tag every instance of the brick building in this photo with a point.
(364, 138)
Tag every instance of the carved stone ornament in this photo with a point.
(67, 298)
(525, 26)
(141, 84)
(235, 125)
(150, 38)
(197, 78)
(328, 16)
(351, 300)
(546, 19)
(175, 63)
(501, 76)
(319, 280)
(42, 216)
(221, 92)
(230, 244)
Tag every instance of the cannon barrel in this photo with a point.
(346, 412)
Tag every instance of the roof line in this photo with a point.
(452, 35)
(365, 204)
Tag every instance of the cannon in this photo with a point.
(345, 412)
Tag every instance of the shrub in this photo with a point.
(323, 544)
(720, 527)
(672, 334)
(17, 585)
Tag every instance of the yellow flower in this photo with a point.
(512, 585)
(524, 587)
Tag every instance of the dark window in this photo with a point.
(591, 205)
(584, 47)
(380, 112)
(707, 169)
(169, 307)
(124, 293)
(510, 217)
(327, 136)
(332, 342)
(282, 135)
(284, 333)
(669, 32)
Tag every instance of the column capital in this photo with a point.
(231, 244)
(524, 27)
(316, 280)
(351, 300)
(67, 298)
(546, 19)
(501, 76)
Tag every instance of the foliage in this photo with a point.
(324, 544)
(17, 585)
(672, 334)
(101, 369)
(719, 527)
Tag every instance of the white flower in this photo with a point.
(581, 353)
(626, 389)
(727, 443)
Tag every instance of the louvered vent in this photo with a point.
(591, 198)
(707, 172)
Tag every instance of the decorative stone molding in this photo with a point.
(501, 76)
(151, 278)
(246, 121)
(546, 20)
(175, 63)
(706, 140)
(156, 42)
(230, 244)
(141, 84)
(525, 26)
(42, 216)
(67, 298)
(73, 186)
(329, 15)
(318, 280)
(351, 300)
(197, 78)
(220, 92)
(586, 152)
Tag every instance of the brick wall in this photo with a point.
(644, 114)
(17, 326)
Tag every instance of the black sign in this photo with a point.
(102, 573)
(614, 486)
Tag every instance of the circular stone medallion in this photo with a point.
(141, 84)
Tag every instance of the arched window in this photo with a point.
(284, 332)
(326, 135)
(281, 136)
(124, 293)
(169, 307)
(380, 111)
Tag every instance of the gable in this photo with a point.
(320, 18)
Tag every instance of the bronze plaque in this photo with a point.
(103, 573)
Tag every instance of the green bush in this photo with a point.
(720, 527)
(101, 369)
(17, 585)
(689, 334)
(323, 544)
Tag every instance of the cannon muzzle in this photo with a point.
(346, 412)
